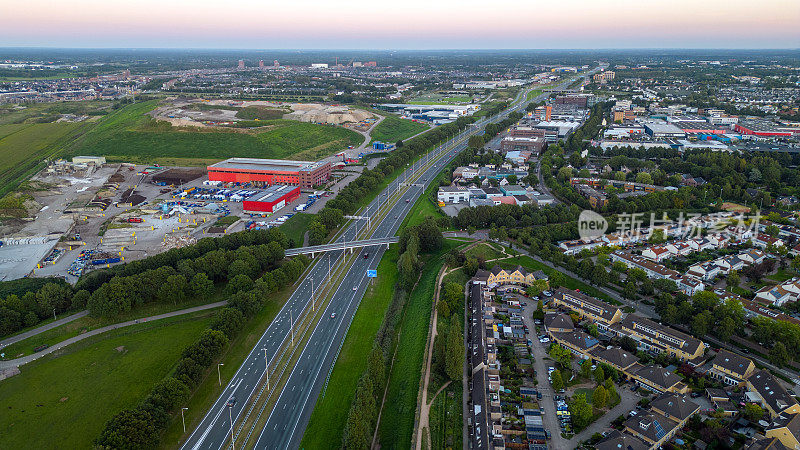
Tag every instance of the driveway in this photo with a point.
(539, 353)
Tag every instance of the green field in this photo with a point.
(64, 402)
(129, 134)
(23, 147)
(485, 251)
(295, 227)
(393, 129)
(330, 413)
(55, 335)
(534, 93)
(397, 420)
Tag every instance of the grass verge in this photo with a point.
(78, 391)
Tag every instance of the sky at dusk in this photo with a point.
(405, 24)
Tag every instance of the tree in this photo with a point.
(174, 289)
(228, 320)
(753, 412)
(561, 355)
(376, 368)
(733, 278)
(599, 375)
(239, 283)
(700, 324)
(454, 360)
(586, 368)
(778, 354)
(202, 286)
(644, 178)
(475, 141)
(599, 397)
(130, 429)
(556, 380)
(611, 390)
(581, 411)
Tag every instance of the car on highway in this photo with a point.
(355, 288)
(333, 315)
(406, 200)
(366, 255)
(231, 402)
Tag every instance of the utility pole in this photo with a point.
(291, 326)
(219, 374)
(313, 308)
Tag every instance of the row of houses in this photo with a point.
(687, 284)
(490, 425)
(728, 368)
(714, 223)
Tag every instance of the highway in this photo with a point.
(288, 418)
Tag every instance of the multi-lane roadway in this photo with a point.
(287, 419)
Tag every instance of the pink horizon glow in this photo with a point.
(412, 24)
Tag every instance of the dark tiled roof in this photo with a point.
(676, 407)
(558, 320)
(659, 376)
(767, 444)
(591, 304)
(621, 441)
(616, 356)
(652, 425)
(732, 362)
(577, 339)
(773, 393)
(788, 421)
(651, 330)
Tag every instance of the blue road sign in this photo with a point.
(372, 273)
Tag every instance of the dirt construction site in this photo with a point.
(202, 113)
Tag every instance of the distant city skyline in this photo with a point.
(412, 24)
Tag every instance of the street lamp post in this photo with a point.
(312, 295)
(230, 416)
(183, 419)
(219, 374)
(291, 326)
(266, 363)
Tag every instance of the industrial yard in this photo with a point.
(85, 214)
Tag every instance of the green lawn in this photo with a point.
(64, 402)
(129, 134)
(485, 251)
(393, 129)
(397, 421)
(327, 422)
(23, 147)
(295, 227)
(226, 221)
(534, 93)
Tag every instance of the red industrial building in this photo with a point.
(761, 129)
(271, 200)
(270, 171)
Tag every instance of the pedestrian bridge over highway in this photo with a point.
(312, 249)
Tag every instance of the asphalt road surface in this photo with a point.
(287, 420)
